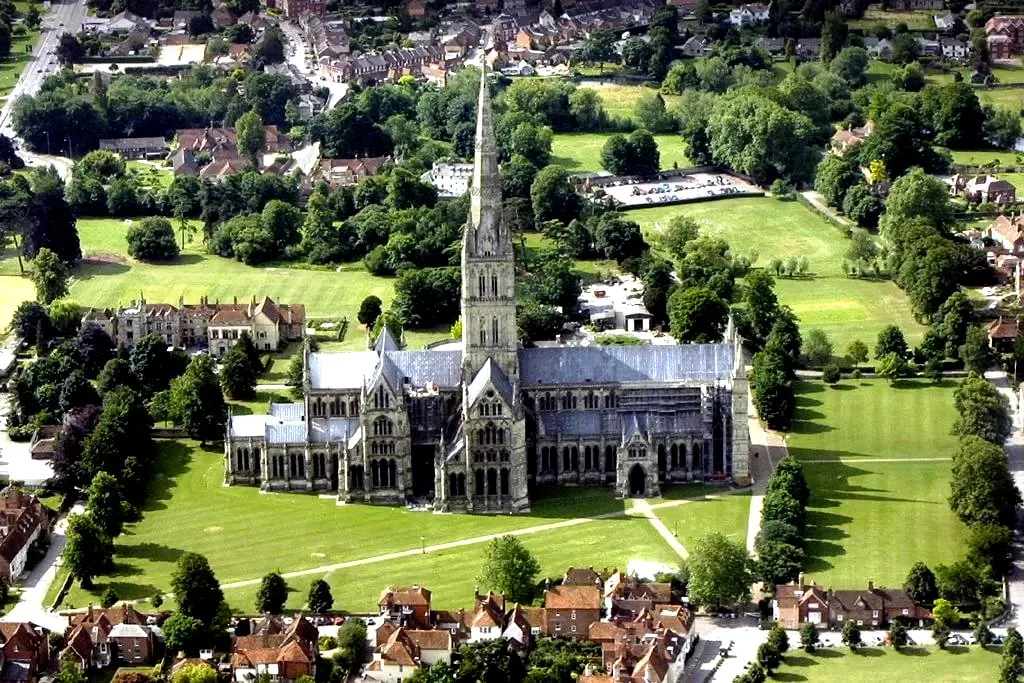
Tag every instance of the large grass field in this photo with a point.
(878, 504)
(581, 152)
(620, 100)
(190, 510)
(1002, 157)
(11, 68)
(872, 664)
(726, 514)
(845, 308)
(875, 15)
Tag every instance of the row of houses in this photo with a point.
(645, 634)
(801, 602)
(1005, 36)
(214, 326)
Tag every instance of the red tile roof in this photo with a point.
(572, 597)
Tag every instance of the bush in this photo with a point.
(328, 643)
(831, 374)
(152, 239)
(110, 598)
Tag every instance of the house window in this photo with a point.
(905, 611)
(812, 605)
(875, 614)
(574, 628)
(839, 617)
(860, 622)
(572, 615)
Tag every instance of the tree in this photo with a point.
(697, 315)
(778, 639)
(29, 318)
(1002, 127)
(917, 195)
(49, 275)
(320, 599)
(863, 249)
(196, 589)
(552, 196)
(945, 613)
(768, 658)
(197, 404)
(77, 391)
(898, 635)
(271, 46)
(152, 239)
(1011, 668)
(862, 206)
(93, 348)
(69, 50)
(920, 584)
(352, 644)
(834, 176)
(237, 376)
(851, 64)
(116, 373)
(831, 374)
(772, 389)
(778, 563)
(680, 231)
(975, 351)
(891, 341)
(195, 673)
(857, 352)
(183, 633)
(892, 367)
(517, 175)
(720, 571)
(152, 364)
(905, 48)
(982, 488)
(990, 546)
(531, 142)
(818, 347)
(809, 638)
(105, 506)
(599, 48)
(618, 238)
(509, 568)
(252, 136)
(272, 594)
(851, 634)
(89, 552)
(981, 410)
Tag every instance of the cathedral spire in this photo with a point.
(486, 182)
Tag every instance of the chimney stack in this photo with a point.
(871, 585)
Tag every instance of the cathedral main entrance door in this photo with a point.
(637, 481)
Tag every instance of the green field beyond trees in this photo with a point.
(845, 308)
(872, 664)
(877, 460)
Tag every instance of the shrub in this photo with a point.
(110, 598)
(831, 374)
(152, 239)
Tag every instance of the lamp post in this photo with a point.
(423, 545)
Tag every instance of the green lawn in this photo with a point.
(11, 68)
(581, 152)
(190, 510)
(875, 15)
(727, 514)
(1003, 157)
(451, 574)
(873, 520)
(845, 308)
(872, 664)
(620, 100)
(153, 173)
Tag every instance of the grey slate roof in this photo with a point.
(249, 425)
(491, 374)
(324, 429)
(288, 412)
(598, 364)
(581, 423)
(349, 370)
(286, 432)
(385, 342)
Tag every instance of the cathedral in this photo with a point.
(475, 425)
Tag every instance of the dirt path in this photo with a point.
(644, 508)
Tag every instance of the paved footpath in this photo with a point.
(644, 508)
(767, 448)
(635, 511)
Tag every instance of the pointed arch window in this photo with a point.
(494, 285)
(483, 284)
(494, 331)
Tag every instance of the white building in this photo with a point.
(749, 14)
(451, 180)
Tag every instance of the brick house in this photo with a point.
(1008, 232)
(285, 652)
(98, 638)
(406, 606)
(797, 604)
(1002, 333)
(570, 610)
(626, 596)
(1005, 36)
(24, 651)
(22, 520)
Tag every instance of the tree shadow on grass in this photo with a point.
(173, 459)
(826, 653)
(125, 590)
(91, 269)
(565, 162)
(787, 676)
(843, 387)
(800, 660)
(870, 651)
(803, 388)
(914, 651)
(154, 552)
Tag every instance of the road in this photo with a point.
(63, 17)
(31, 604)
(298, 53)
(1015, 458)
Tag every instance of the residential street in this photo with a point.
(1015, 456)
(63, 17)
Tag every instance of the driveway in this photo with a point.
(742, 633)
(31, 604)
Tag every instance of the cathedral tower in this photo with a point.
(488, 263)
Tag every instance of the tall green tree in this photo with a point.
(236, 375)
(106, 506)
(252, 136)
(49, 275)
(197, 403)
(982, 490)
(510, 569)
(196, 589)
(720, 571)
(697, 315)
(272, 594)
(981, 410)
(89, 552)
(320, 599)
(920, 584)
